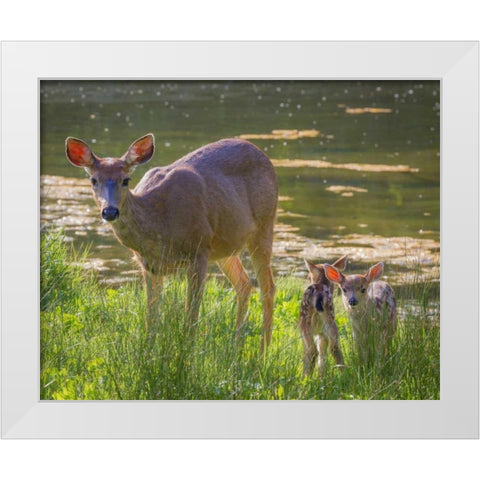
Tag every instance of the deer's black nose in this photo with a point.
(353, 301)
(110, 213)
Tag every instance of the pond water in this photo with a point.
(358, 162)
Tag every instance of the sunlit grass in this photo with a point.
(94, 344)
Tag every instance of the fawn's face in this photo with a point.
(354, 290)
(110, 177)
(354, 287)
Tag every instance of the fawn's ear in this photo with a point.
(140, 151)
(316, 273)
(333, 274)
(374, 272)
(78, 152)
(341, 263)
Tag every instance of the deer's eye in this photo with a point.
(94, 181)
(363, 290)
(125, 182)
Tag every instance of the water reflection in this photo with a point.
(359, 167)
(284, 135)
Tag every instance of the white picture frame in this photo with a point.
(455, 64)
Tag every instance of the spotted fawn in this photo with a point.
(317, 320)
(371, 308)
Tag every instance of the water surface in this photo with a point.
(358, 162)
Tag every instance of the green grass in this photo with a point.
(94, 345)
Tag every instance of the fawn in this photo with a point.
(371, 308)
(207, 206)
(317, 320)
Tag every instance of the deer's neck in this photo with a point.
(131, 228)
(358, 312)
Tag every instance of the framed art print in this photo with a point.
(309, 271)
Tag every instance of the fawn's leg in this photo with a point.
(360, 337)
(331, 330)
(310, 352)
(392, 317)
(389, 327)
(321, 342)
(233, 269)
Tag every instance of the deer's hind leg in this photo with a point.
(321, 342)
(310, 352)
(392, 315)
(233, 269)
(331, 331)
(260, 249)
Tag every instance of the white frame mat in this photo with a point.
(455, 64)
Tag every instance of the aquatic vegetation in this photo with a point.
(345, 190)
(361, 110)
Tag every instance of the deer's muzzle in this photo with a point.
(353, 301)
(110, 213)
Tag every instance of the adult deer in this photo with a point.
(207, 206)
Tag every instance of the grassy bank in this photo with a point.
(94, 345)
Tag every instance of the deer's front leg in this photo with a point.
(310, 352)
(360, 337)
(153, 287)
(196, 275)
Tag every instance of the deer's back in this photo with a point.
(380, 291)
(382, 297)
(232, 160)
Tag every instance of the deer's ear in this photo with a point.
(78, 152)
(341, 263)
(374, 272)
(316, 273)
(333, 274)
(141, 150)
